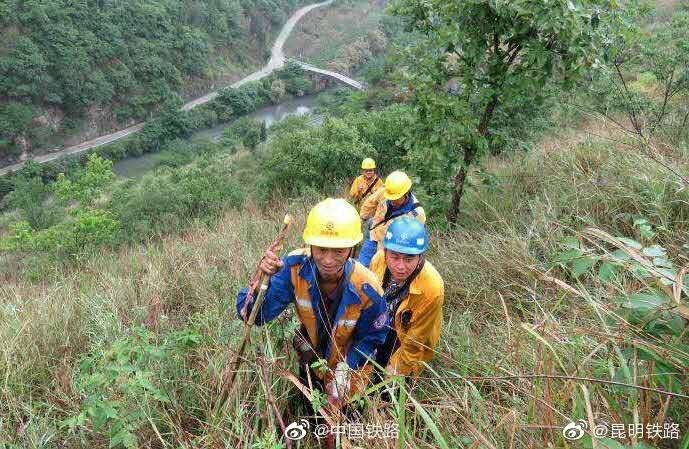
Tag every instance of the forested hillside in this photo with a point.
(72, 66)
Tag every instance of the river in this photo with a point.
(136, 167)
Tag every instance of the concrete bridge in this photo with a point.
(338, 76)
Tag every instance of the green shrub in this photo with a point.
(84, 230)
(210, 188)
(295, 80)
(6, 186)
(246, 131)
(164, 201)
(278, 90)
(385, 131)
(230, 140)
(240, 101)
(203, 117)
(176, 154)
(133, 375)
(114, 152)
(29, 198)
(86, 184)
(315, 157)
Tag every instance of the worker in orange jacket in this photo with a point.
(367, 183)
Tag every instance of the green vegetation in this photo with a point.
(487, 57)
(120, 382)
(567, 296)
(245, 132)
(173, 124)
(126, 57)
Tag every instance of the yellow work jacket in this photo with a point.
(376, 206)
(424, 302)
(360, 186)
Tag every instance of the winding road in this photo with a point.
(277, 61)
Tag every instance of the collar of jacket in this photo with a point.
(414, 287)
(349, 294)
(406, 207)
(308, 273)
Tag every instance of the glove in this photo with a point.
(392, 371)
(339, 386)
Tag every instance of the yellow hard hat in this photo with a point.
(396, 185)
(368, 164)
(333, 223)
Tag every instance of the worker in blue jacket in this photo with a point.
(338, 301)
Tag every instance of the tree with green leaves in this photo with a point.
(473, 57)
(311, 158)
(15, 122)
(644, 74)
(88, 184)
(246, 131)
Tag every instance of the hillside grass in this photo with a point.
(164, 312)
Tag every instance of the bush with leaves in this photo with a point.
(247, 132)
(294, 77)
(278, 89)
(30, 197)
(126, 387)
(315, 157)
(239, 101)
(83, 228)
(167, 199)
(87, 184)
(7, 184)
(82, 231)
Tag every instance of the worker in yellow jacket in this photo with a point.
(394, 200)
(367, 183)
(414, 294)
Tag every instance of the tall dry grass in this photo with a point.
(515, 322)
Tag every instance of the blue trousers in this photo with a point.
(368, 250)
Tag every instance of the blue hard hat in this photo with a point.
(406, 235)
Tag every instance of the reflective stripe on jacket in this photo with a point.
(422, 309)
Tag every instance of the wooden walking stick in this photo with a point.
(259, 281)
